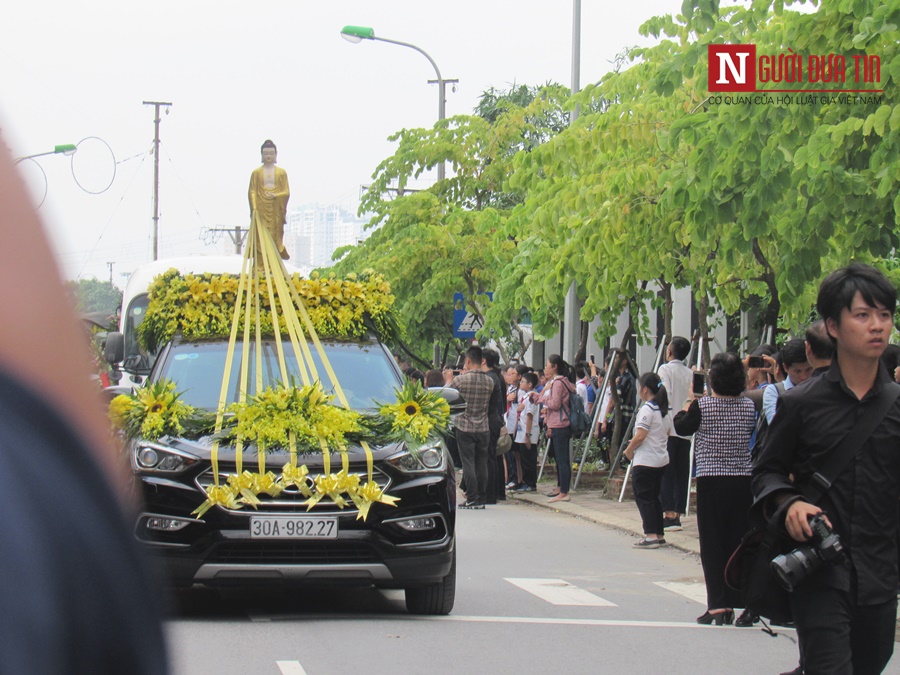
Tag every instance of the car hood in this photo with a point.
(202, 448)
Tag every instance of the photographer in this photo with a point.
(845, 612)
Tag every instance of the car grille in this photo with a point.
(290, 499)
(292, 553)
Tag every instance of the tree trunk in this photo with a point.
(582, 344)
(668, 304)
(703, 319)
(773, 309)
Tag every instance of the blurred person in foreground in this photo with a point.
(845, 613)
(76, 587)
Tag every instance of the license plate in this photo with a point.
(293, 527)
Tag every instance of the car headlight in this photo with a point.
(156, 458)
(426, 458)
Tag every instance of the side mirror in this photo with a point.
(453, 397)
(114, 351)
(133, 363)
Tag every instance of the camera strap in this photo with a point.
(846, 448)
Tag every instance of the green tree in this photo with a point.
(741, 203)
(92, 295)
(450, 237)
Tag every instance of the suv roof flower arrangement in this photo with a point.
(287, 417)
(202, 306)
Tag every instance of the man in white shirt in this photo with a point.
(676, 378)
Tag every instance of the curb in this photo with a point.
(676, 540)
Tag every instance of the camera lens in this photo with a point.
(792, 568)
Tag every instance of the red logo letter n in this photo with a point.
(732, 67)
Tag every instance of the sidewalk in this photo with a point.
(591, 505)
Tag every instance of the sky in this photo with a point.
(239, 73)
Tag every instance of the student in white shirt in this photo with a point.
(527, 431)
(649, 456)
(676, 378)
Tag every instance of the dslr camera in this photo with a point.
(823, 548)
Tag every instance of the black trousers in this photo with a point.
(473, 451)
(495, 484)
(646, 481)
(529, 463)
(837, 635)
(674, 494)
(559, 441)
(722, 506)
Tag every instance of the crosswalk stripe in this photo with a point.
(290, 668)
(694, 590)
(559, 592)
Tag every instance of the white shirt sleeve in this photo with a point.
(644, 418)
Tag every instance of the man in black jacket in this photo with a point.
(845, 613)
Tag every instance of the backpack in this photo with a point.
(579, 420)
(762, 427)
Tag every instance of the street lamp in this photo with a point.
(357, 34)
(67, 149)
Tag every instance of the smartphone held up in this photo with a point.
(699, 383)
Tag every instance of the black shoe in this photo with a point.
(471, 505)
(673, 524)
(747, 618)
(725, 618)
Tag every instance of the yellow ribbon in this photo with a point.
(217, 495)
(369, 494)
(296, 475)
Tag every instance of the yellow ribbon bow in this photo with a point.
(296, 475)
(367, 495)
(217, 495)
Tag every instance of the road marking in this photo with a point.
(290, 668)
(511, 619)
(695, 591)
(559, 592)
(561, 622)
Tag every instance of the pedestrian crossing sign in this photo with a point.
(466, 323)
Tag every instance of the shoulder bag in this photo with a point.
(749, 568)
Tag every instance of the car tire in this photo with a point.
(436, 598)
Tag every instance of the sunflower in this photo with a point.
(417, 413)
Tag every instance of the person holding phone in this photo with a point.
(676, 378)
(723, 422)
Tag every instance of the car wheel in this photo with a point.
(435, 598)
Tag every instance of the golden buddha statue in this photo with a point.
(269, 194)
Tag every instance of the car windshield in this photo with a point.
(363, 370)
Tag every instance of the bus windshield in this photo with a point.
(363, 369)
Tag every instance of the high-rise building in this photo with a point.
(315, 231)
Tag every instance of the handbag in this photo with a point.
(504, 443)
(749, 568)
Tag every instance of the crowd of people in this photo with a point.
(763, 428)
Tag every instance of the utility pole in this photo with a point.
(571, 333)
(442, 106)
(237, 234)
(156, 120)
(110, 266)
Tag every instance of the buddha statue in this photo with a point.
(269, 194)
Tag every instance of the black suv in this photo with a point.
(411, 545)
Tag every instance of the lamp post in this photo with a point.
(357, 34)
(66, 149)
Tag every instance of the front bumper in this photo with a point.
(217, 550)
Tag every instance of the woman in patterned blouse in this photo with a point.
(723, 422)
